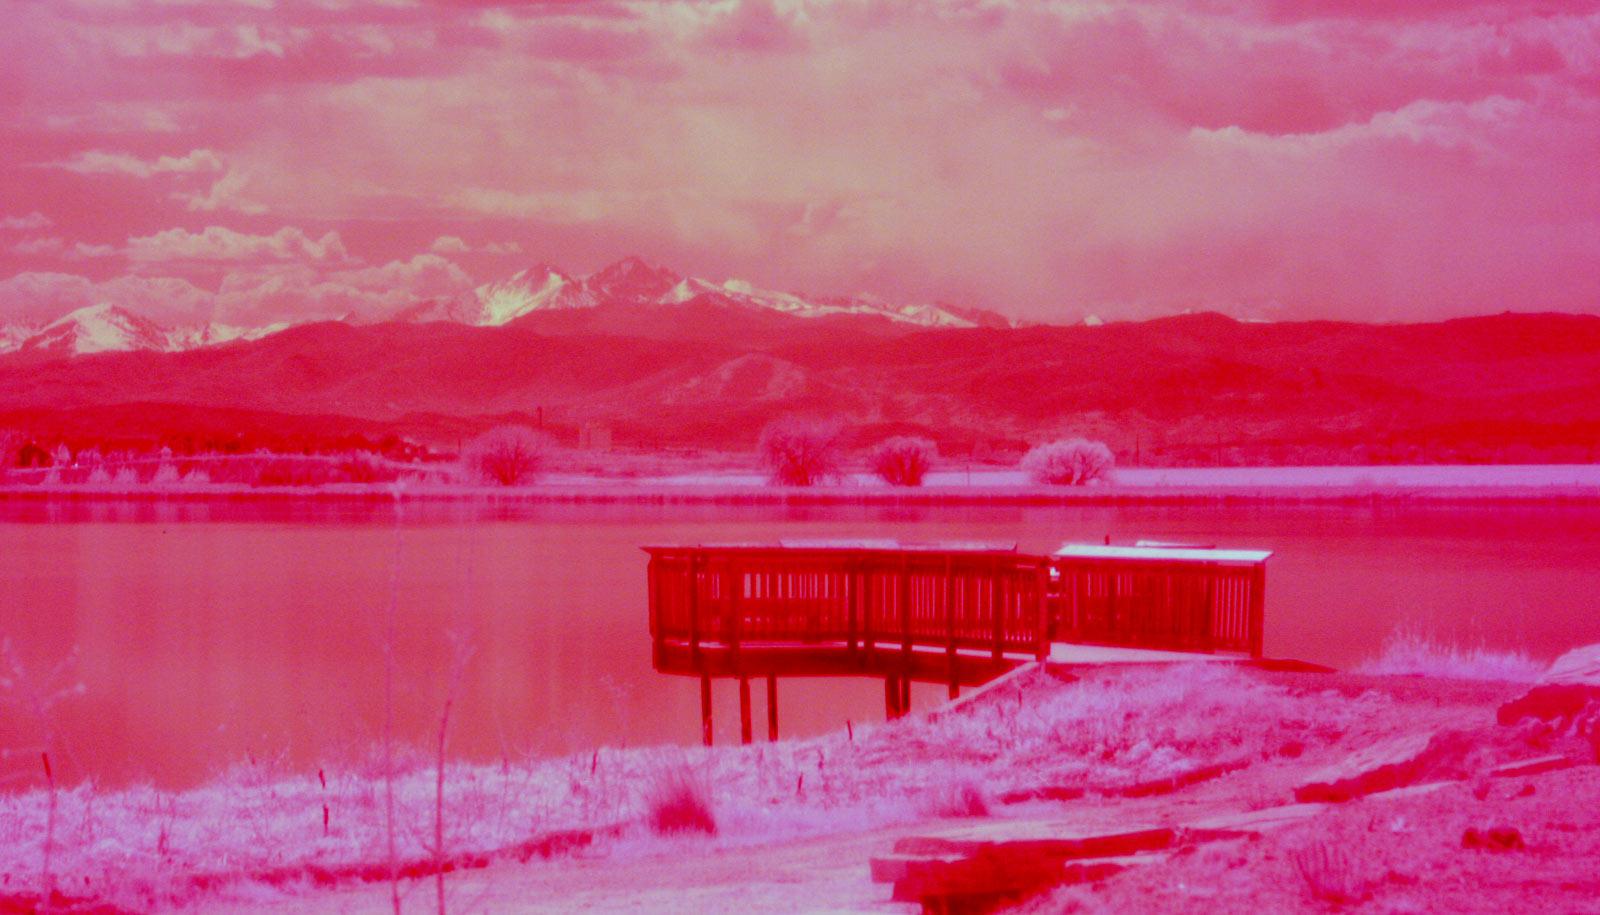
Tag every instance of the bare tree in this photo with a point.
(507, 455)
(904, 461)
(10, 444)
(800, 452)
(1069, 462)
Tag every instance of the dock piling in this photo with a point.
(705, 708)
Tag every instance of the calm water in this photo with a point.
(205, 634)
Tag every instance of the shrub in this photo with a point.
(166, 475)
(904, 461)
(1328, 874)
(1069, 462)
(507, 455)
(678, 803)
(126, 476)
(800, 452)
(10, 444)
(361, 467)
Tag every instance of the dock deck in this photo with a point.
(960, 614)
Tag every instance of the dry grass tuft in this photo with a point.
(679, 803)
(1328, 872)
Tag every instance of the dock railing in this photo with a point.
(958, 613)
(866, 599)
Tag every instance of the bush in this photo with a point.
(361, 467)
(507, 455)
(904, 461)
(678, 803)
(800, 452)
(1069, 462)
(10, 444)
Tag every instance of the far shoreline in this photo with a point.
(1576, 484)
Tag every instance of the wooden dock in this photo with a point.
(960, 614)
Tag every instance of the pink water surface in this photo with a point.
(206, 634)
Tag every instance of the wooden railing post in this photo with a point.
(1041, 596)
(658, 639)
(950, 624)
(852, 597)
(733, 583)
(905, 607)
(997, 607)
(1258, 598)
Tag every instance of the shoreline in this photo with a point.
(647, 494)
(1184, 743)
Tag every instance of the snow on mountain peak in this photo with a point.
(538, 287)
(107, 328)
(632, 280)
(99, 329)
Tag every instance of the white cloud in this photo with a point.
(225, 194)
(453, 244)
(219, 244)
(36, 298)
(102, 162)
(34, 220)
(59, 247)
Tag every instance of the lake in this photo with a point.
(205, 633)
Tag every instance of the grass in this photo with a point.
(143, 848)
(1408, 653)
(679, 802)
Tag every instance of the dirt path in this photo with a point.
(818, 875)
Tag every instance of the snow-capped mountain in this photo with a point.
(98, 329)
(107, 328)
(632, 282)
(628, 283)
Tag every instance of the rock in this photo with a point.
(1531, 766)
(1496, 838)
(1382, 766)
(1564, 692)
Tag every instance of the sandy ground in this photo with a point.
(1398, 851)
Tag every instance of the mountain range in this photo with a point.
(707, 373)
(654, 293)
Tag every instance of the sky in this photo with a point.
(246, 161)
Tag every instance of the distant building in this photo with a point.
(594, 437)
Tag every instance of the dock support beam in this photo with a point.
(744, 709)
(705, 709)
(891, 697)
(772, 707)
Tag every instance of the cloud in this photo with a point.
(273, 292)
(226, 193)
(36, 298)
(61, 248)
(754, 26)
(1341, 159)
(219, 244)
(100, 162)
(34, 220)
(452, 244)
